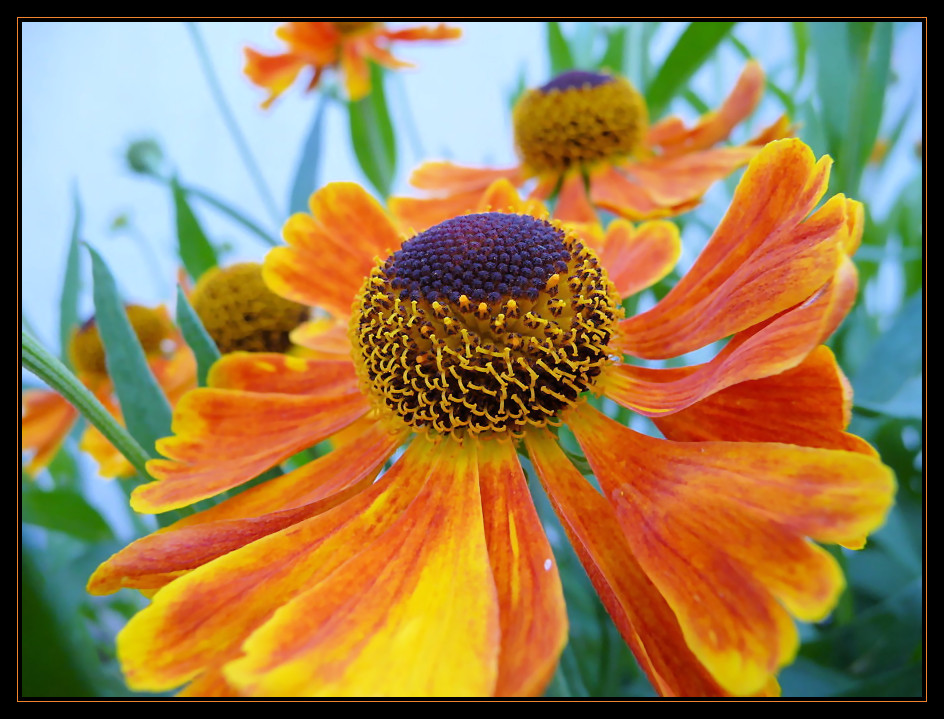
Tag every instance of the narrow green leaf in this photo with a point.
(860, 37)
(801, 45)
(695, 45)
(895, 358)
(372, 135)
(614, 56)
(870, 99)
(692, 98)
(195, 250)
(144, 407)
(231, 212)
(306, 175)
(64, 510)
(204, 349)
(740, 47)
(72, 284)
(558, 50)
(40, 362)
(834, 73)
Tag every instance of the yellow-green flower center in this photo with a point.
(485, 323)
(241, 313)
(87, 352)
(579, 118)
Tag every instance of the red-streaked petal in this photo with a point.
(628, 198)
(530, 598)
(719, 528)
(808, 406)
(763, 350)
(331, 251)
(276, 73)
(202, 619)
(447, 177)
(226, 437)
(679, 180)
(765, 256)
(368, 46)
(715, 126)
(316, 487)
(47, 419)
(327, 338)
(414, 614)
(637, 257)
(283, 374)
(573, 202)
(211, 683)
(425, 32)
(777, 130)
(640, 612)
(317, 42)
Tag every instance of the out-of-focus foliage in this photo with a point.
(835, 79)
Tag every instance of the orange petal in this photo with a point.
(413, 614)
(447, 177)
(715, 126)
(276, 73)
(356, 71)
(111, 462)
(151, 562)
(46, 421)
(681, 180)
(284, 374)
(227, 437)
(202, 619)
(573, 203)
(776, 131)
(425, 32)
(638, 609)
(331, 251)
(718, 527)
(765, 256)
(628, 198)
(211, 683)
(809, 405)
(325, 337)
(637, 257)
(368, 46)
(765, 349)
(530, 598)
(317, 42)
(418, 214)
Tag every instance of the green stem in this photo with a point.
(230, 119)
(49, 369)
(232, 213)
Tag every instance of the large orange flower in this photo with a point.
(585, 137)
(370, 572)
(321, 45)
(48, 417)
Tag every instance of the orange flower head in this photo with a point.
(427, 572)
(87, 352)
(577, 119)
(496, 323)
(585, 139)
(241, 314)
(345, 45)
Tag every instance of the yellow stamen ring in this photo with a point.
(484, 324)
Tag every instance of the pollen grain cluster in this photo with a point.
(484, 324)
(579, 118)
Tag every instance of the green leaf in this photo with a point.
(195, 250)
(372, 135)
(614, 56)
(870, 94)
(203, 346)
(801, 44)
(895, 359)
(232, 213)
(558, 50)
(306, 176)
(71, 285)
(695, 45)
(50, 666)
(144, 407)
(64, 510)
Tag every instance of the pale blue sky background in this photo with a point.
(90, 88)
